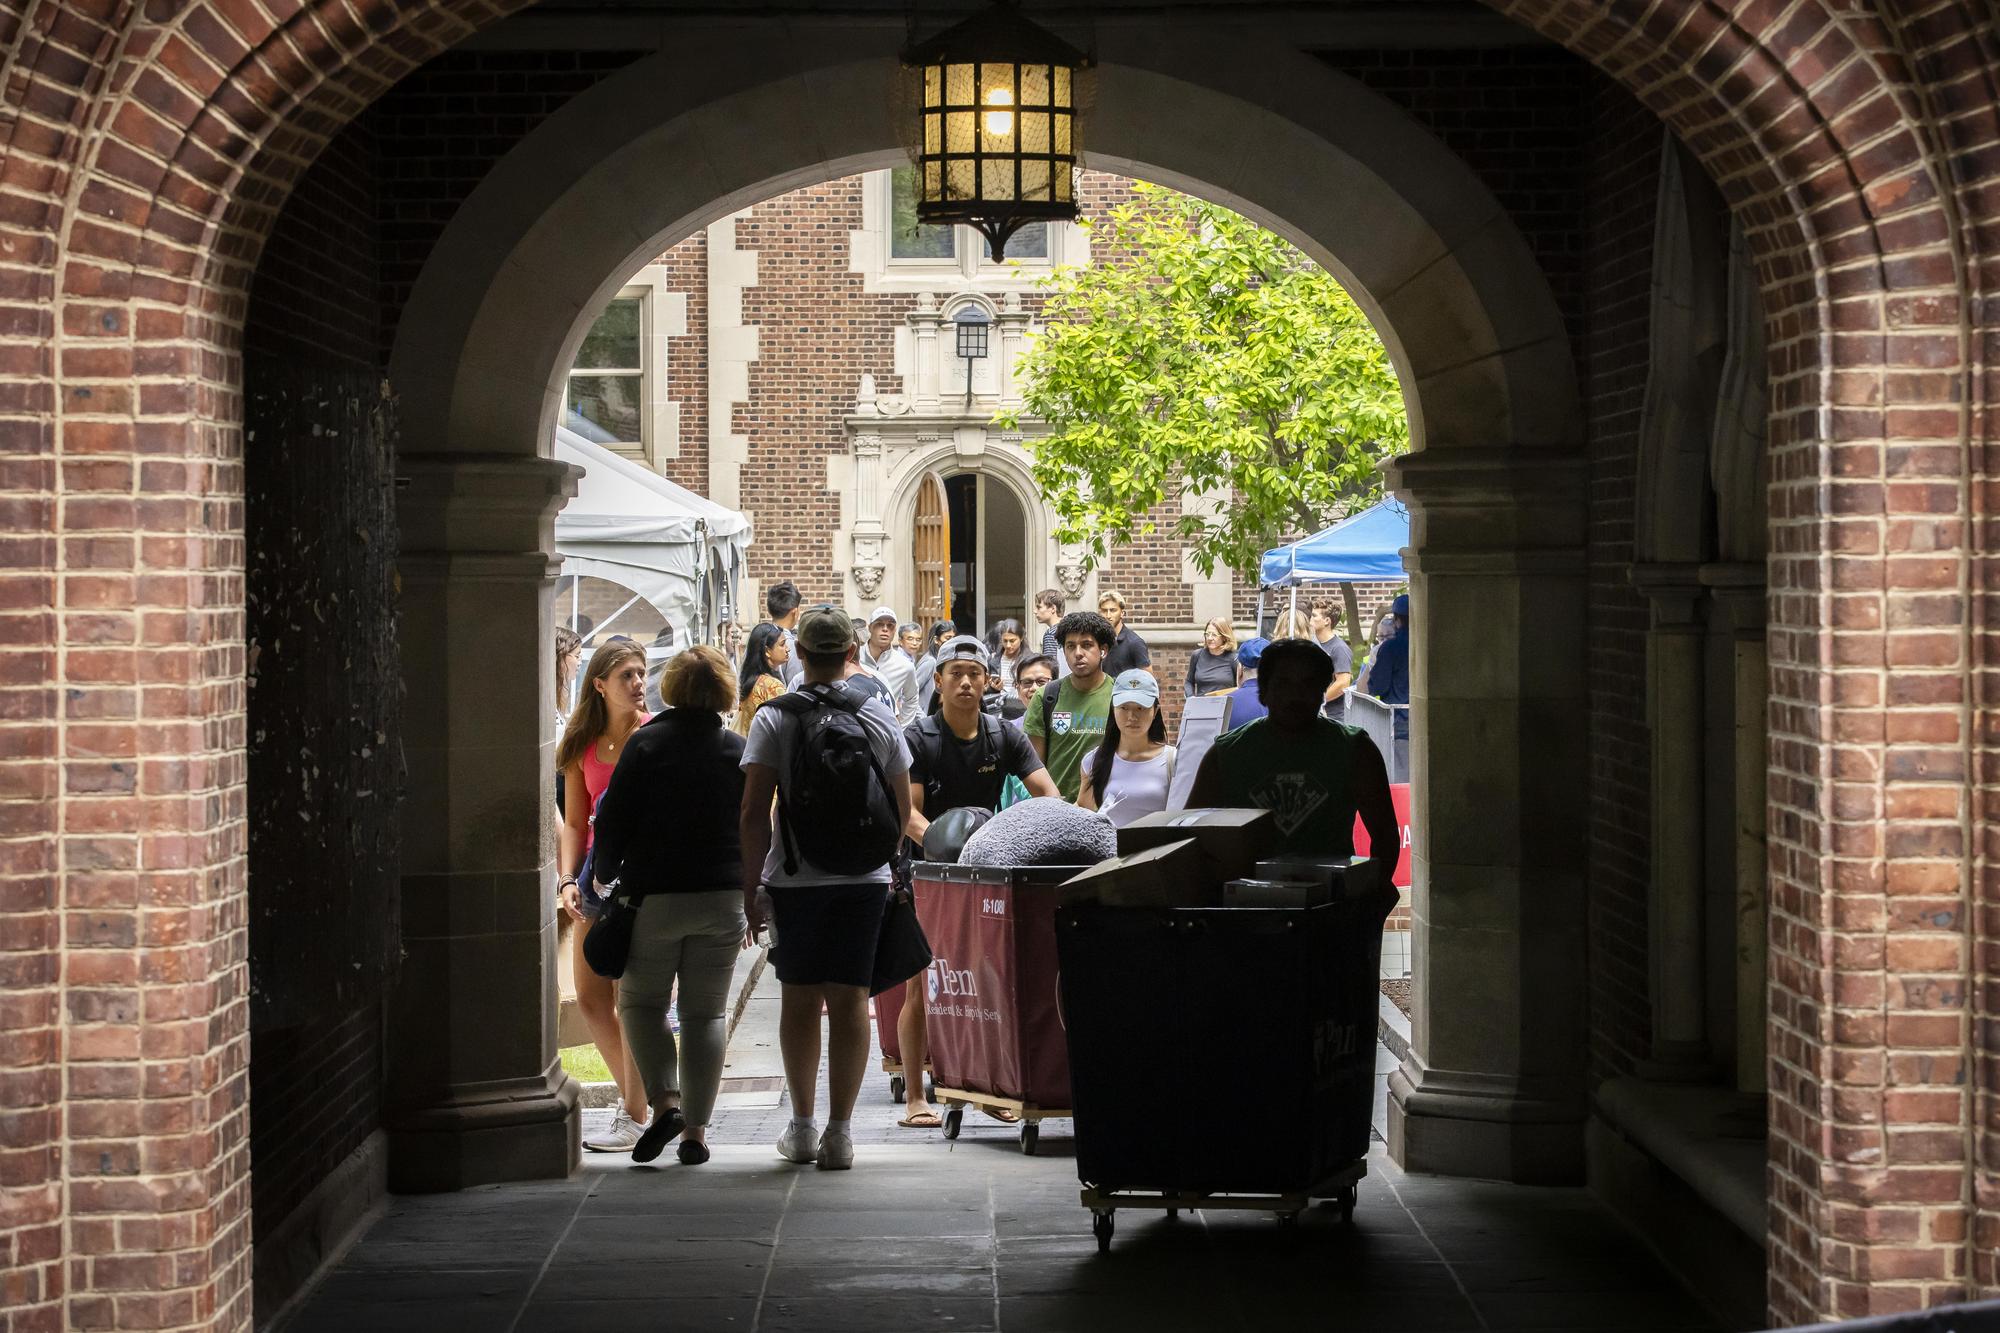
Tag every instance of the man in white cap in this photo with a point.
(881, 655)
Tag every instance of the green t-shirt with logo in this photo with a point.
(1306, 781)
(1075, 730)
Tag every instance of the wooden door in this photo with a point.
(931, 547)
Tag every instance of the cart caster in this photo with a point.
(930, 1090)
(1289, 1221)
(1031, 1134)
(1173, 1214)
(1100, 1226)
(1346, 1202)
(954, 1117)
(896, 1088)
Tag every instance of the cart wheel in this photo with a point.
(954, 1116)
(1289, 1221)
(930, 1090)
(896, 1088)
(1100, 1226)
(1348, 1198)
(1173, 1214)
(1031, 1134)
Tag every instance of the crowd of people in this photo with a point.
(703, 800)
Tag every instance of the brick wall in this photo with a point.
(441, 130)
(1517, 117)
(1621, 158)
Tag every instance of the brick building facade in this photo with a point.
(1529, 201)
(843, 390)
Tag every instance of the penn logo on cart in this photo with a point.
(941, 979)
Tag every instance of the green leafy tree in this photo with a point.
(1208, 353)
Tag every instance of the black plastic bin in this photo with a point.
(1221, 1050)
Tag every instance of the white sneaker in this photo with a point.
(836, 1151)
(622, 1136)
(796, 1145)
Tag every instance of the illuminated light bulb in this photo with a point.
(999, 123)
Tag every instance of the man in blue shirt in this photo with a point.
(1388, 679)
(1246, 704)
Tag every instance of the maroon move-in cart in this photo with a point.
(991, 1013)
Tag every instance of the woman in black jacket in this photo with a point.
(666, 831)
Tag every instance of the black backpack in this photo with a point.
(838, 810)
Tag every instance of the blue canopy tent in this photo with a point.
(1362, 548)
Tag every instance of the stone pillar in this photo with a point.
(1675, 670)
(926, 370)
(1739, 591)
(1493, 1085)
(868, 537)
(476, 1093)
(1013, 321)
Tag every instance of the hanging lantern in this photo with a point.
(995, 103)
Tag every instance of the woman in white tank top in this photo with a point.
(1129, 775)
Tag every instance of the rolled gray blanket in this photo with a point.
(1042, 831)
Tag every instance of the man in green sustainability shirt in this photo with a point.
(1066, 720)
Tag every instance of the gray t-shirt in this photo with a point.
(773, 739)
(1343, 664)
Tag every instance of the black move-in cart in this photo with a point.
(1221, 1057)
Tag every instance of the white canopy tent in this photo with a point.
(630, 526)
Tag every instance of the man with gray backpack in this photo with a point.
(836, 763)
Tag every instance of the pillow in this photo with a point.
(1042, 831)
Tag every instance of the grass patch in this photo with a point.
(585, 1065)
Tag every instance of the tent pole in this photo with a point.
(1257, 630)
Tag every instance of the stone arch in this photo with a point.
(1776, 101)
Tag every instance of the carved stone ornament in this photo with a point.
(867, 444)
(892, 404)
(1071, 578)
(867, 578)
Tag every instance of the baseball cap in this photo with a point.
(825, 629)
(1135, 687)
(962, 648)
(884, 613)
(1250, 652)
(1401, 606)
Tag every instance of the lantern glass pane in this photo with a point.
(933, 135)
(1063, 148)
(933, 86)
(1063, 183)
(1065, 94)
(960, 132)
(959, 180)
(1035, 132)
(1035, 177)
(958, 89)
(1034, 85)
(996, 180)
(933, 180)
(909, 239)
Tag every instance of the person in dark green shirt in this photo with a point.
(1312, 774)
(1066, 720)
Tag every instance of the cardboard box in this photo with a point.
(1276, 893)
(1172, 875)
(1233, 840)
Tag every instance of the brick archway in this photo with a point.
(147, 153)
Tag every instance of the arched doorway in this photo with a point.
(989, 551)
(1494, 1084)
